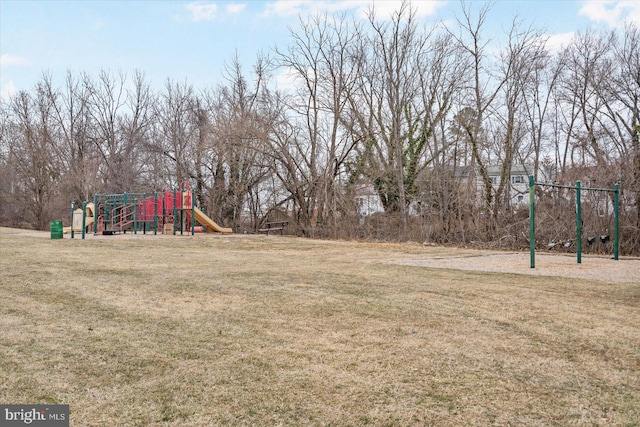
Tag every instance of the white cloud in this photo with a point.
(7, 60)
(556, 42)
(8, 90)
(611, 12)
(286, 80)
(287, 7)
(384, 8)
(201, 11)
(236, 8)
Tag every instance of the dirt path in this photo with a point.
(625, 270)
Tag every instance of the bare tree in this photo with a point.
(239, 125)
(583, 81)
(176, 124)
(494, 119)
(32, 156)
(442, 195)
(396, 105)
(319, 61)
(539, 103)
(79, 157)
(520, 62)
(621, 123)
(120, 120)
(8, 178)
(483, 91)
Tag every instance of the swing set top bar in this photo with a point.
(573, 187)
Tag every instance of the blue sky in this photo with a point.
(192, 40)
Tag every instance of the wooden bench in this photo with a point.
(274, 226)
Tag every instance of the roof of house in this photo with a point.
(519, 169)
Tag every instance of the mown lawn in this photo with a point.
(246, 330)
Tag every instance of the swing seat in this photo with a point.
(567, 244)
(591, 240)
(604, 239)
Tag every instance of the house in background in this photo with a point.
(367, 200)
(518, 186)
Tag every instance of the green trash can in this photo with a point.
(56, 229)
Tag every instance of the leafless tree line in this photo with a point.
(431, 120)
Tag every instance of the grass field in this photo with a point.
(210, 330)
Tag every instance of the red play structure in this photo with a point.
(168, 212)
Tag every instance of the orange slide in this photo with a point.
(203, 219)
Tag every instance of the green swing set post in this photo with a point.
(84, 219)
(532, 222)
(616, 217)
(578, 223)
(73, 208)
(578, 187)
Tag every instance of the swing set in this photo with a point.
(579, 226)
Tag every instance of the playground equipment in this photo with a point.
(203, 219)
(579, 226)
(170, 211)
(78, 221)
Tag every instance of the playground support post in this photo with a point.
(96, 214)
(616, 212)
(155, 213)
(193, 218)
(135, 216)
(578, 223)
(73, 207)
(144, 213)
(175, 210)
(84, 219)
(532, 222)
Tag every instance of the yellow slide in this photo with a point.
(203, 219)
(77, 219)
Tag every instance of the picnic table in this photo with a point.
(273, 226)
